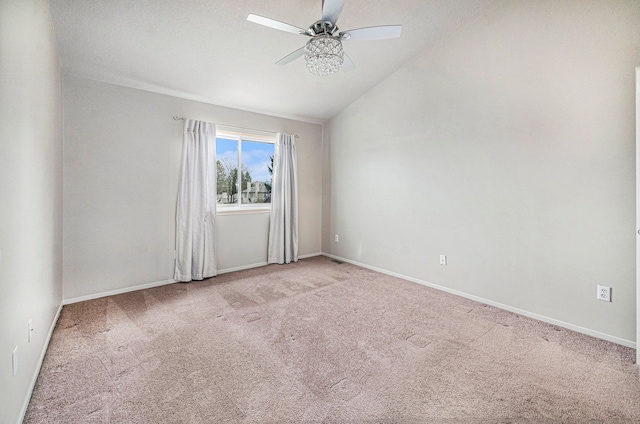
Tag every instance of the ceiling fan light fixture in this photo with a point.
(324, 55)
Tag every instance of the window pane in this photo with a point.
(257, 165)
(227, 169)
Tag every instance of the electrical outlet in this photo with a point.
(337, 238)
(443, 259)
(30, 330)
(604, 293)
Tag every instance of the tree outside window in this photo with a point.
(254, 157)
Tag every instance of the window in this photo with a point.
(252, 154)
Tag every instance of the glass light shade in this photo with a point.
(324, 55)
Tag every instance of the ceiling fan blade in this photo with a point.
(372, 33)
(291, 56)
(272, 23)
(347, 65)
(331, 10)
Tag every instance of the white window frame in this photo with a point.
(239, 136)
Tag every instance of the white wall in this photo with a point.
(510, 148)
(121, 165)
(30, 195)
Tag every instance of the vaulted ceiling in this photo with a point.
(206, 50)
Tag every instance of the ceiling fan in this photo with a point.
(323, 52)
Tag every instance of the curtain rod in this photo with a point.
(180, 118)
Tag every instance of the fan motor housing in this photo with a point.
(322, 27)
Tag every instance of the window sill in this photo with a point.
(242, 210)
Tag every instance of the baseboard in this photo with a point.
(118, 291)
(583, 330)
(241, 268)
(36, 373)
(310, 255)
(259, 264)
(165, 282)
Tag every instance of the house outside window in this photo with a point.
(244, 165)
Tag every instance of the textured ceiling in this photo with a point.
(206, 49)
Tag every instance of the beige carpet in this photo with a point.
(319, 341)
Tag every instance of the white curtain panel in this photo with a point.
(196, 209)
(283, 228)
